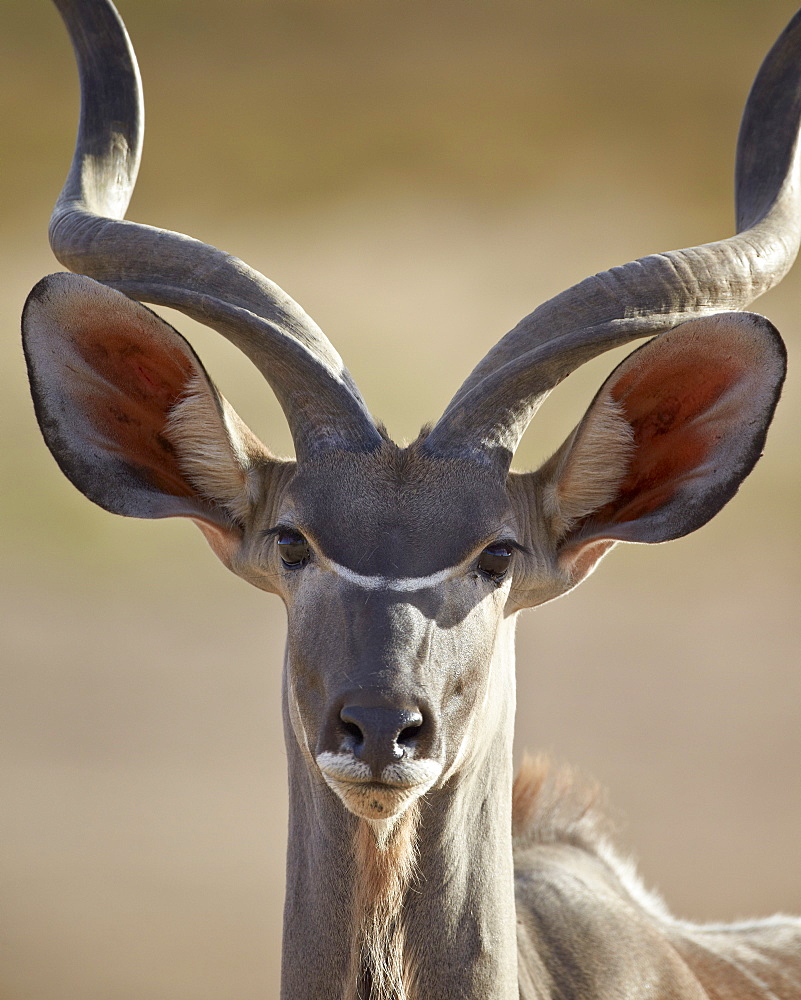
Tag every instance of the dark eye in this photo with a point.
(494, 561)
(293, 547)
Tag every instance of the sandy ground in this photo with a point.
(142, 770)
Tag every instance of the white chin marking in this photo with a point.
(399, 784)
(373, 802)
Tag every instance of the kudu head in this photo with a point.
(400, 567)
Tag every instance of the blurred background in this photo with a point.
(418, 175)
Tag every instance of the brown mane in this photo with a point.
(384, 867)
(553, 803)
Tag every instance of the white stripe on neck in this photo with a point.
(405, 584)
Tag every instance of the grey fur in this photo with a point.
(387, 558)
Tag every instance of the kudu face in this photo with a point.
(401, 569)
(395, 570)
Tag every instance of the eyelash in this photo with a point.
(497, 558)
(293, 547)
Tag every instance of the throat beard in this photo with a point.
(384, 863)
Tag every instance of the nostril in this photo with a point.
(408, 736)
(352, 730)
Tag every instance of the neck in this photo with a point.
(436, 893)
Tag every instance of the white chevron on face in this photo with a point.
(403, 584)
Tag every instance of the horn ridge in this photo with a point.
(88, 235)
(491, 410)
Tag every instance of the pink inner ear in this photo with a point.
(131, 382)
(669, 404)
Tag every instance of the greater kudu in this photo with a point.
(403, 569)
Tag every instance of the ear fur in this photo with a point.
(589, 467)
(215, 448)
(130, 414)
(667, 441)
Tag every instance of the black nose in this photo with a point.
(380, 736)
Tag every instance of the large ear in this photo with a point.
(130, 414)
(667, 441)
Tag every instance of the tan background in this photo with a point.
(419, 175)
